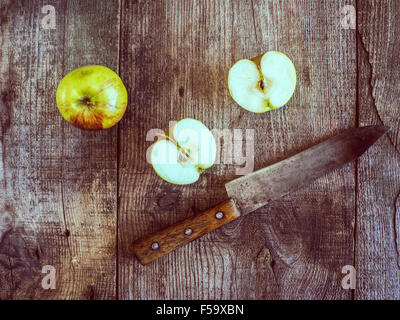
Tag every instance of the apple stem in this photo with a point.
(162, 135)
(184, 155)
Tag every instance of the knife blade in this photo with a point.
(276, 181)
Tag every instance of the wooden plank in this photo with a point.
(378, 214)
(58, 183)
(175, 56)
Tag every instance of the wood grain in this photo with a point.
(77, 200)
(175, 56)
(58, 183)
(378, 214)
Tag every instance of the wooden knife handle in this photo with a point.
(160, 243)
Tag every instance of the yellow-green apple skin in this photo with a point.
(92, 97)
(264, 83)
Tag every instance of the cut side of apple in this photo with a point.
(260, 85)
(181, 157)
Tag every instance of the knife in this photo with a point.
(276, 181)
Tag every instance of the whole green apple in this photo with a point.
(92, 97)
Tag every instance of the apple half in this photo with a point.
(263, 83)
(182, 156)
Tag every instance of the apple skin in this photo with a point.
(92, 97)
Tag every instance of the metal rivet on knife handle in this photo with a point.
(155, 245)
(188, 231)
(219, 215)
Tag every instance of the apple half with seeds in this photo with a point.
(187, 151)
(264, 83)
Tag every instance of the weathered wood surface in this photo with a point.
(378, 197)
(68, 195)
(58, 183)
(176, 61)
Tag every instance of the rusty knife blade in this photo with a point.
(260, 187)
